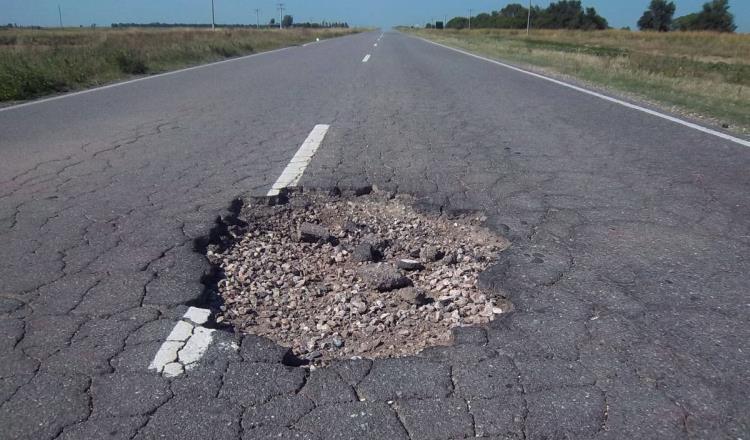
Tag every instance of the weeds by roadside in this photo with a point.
(34, 63)
(696, 73)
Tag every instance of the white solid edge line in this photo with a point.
(719, 134)
(312, 42)
(366, 58)
(131, 81)
(296, 167)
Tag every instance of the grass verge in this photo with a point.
(702, 75)
(35, 63)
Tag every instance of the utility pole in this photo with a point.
(59, 14)
(281, 15)
(257, 18)
(528, 20)
(470, 11)
(213, 16)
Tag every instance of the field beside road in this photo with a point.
(36, 62)
(699, 74)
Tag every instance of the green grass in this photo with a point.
(34, 63)
(704, 75)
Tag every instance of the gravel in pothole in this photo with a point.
(336, 277)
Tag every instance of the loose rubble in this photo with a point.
(336, 277)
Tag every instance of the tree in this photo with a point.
(514, 10)
(272, 22)
(714, 16)
(563, 14)
(513, 16)
(287, 21)
(658, 16)
(685, 23)
(457, 23)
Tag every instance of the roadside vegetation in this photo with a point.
(694, 73)
(37, 62)
(701, 71)
(714, 16)
(563, 14)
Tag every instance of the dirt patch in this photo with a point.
(338, 277)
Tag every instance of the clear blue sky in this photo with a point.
(381, 13)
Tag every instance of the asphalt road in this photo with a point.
(629, 268)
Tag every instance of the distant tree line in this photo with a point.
(564, 14)
(15, 26)
(714, 16)
(288, 21)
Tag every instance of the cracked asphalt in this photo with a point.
(628, 270)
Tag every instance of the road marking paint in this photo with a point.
(195, 347)
(118, 84)
(317, 40)
(694, 126)
(173, 369)
(296, 167)
(366, 58)
(197, 316)
(167, 354)
(181, 332)
(185, 345)
(375, 45)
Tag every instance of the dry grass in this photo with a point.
(696, 73)
(38, 62)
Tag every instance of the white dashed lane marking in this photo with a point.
(293, 172)
(185, 345)
(189, 340)
(366, 58)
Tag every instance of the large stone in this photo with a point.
(363, 253)
(383, 277)
(312, 233)
(409, 264)
(430, 254)
(411, 295)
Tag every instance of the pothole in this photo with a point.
(363, 276)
